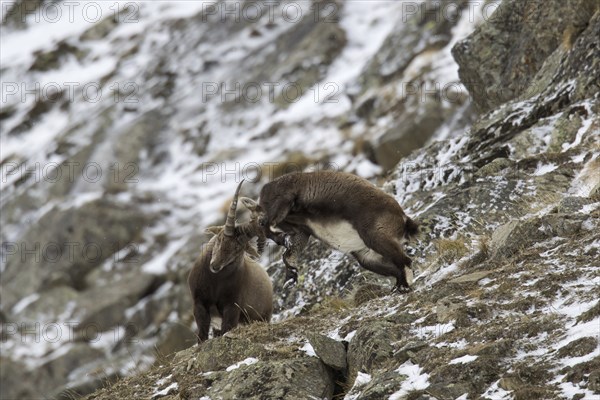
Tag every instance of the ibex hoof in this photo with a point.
(291, 277)
(289, 283)
(401, 289)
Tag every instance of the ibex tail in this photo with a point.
(411, 229)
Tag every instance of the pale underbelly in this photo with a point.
(339, 234)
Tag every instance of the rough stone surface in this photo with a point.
(176, 338)
(74, 242)
(371, 347)
(497, 64)
(408, 351)
(579, 347)
(331, 352)
(302, 378)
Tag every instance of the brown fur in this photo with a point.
(293, 201)
(226, 282)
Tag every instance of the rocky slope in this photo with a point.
(505, 303)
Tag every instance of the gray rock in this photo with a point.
(49, 60)
(513, 237)
(419, 32)
(175, 338)
(331, 352)
(570, 205)
(53, 301)
(484, 56)
(221, 352)
(594, 381)
(296, 70)
(494, 167)
(19, 382)
(103, 307)
(300, 378)
(300, 56)
(16, 381)
(371, 347)
(511, 383)
(473, 376)
(68, 244)
(533, 392)
(416, 104)
(579, 347)
(411, 131)
(59, 368)
(382, 386)
(156, 308)
(343, 273)
(563, 225)
(448, 391)
(409, 350)
(503, 235)
(447, 309)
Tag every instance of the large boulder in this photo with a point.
(66, 244)
(301, 378)
(500, 60)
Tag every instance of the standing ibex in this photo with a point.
(343, 210)
(226, 282)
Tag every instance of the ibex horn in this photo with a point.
(230, 223)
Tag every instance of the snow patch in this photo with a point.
(361, 380)
(584, 128)
(158, 264)
(461, 344)
(308, 349)
(247, 361)
(416, 379)
(464, 359)
(160, 393)
(24, 302)
(543, 169)
(433, 331)
(495, 392)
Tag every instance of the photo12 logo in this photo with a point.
(253, 92)
(273, 10)
(53, 92)
(68, 171)
(48, 253)
(53, 12)
(65, 332)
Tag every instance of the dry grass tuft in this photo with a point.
(451, 250)
(484, 246)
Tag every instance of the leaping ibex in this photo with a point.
(343, 210)
(226, 282)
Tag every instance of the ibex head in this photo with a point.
(256, 212)
(231, 240)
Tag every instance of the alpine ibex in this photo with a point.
(343, 210)
(226, 282)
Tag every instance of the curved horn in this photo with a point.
(230, 223)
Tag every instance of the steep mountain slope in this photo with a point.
(505, 303)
